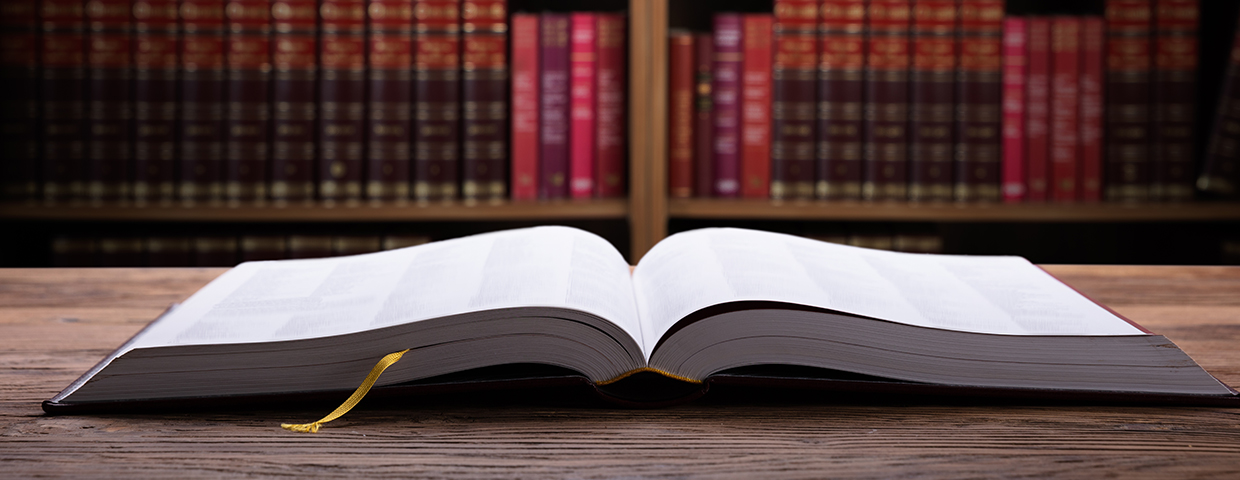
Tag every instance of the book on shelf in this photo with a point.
(1220, 173)
(979, 96)
(389, 124)
(838, 153)
(583, 103)
(703, 111)
(1128, 99)
(436, 99)
(109, 70)
(886, 100)
(1038, 110)
(248, 112)
(19, 106)
(610, 150)
(1015, 82)
(63, 55)
(755, 131)
(295, 66)
(484, 99)
(680, 112)
(526, 104)
(553, 97)
(1174, 82)
(792, 105)
(702, 308)
(932, 99)
(726, 102)
(342, 100)
(1090, 83)
(1065, 99)
(201, 125)
(155, 104)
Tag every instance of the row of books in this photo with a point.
(892, 241)
(213, 251)
(935, 100)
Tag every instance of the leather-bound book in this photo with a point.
(1175, 97)
(756, 77)
(610, 171)
(19, 102)
(886, 100)
(484, 96)
(356, 244)
(703, 115)
(120, 251)
(553, 106)
(247, 145)
(680, 114)
(583, 103)
(63, 52)
(389, 129)
(1128, 62)
(169, 252)
(1065, 102)
(109, 69)
(1220, 172)
(309, 246)
(525, 106)
(1015, 80)
(726, 92)
(979, 98)
(202, 101)
(342, 99)
(1037, 110)
(1089, 152)
(392, 242)
(263, 247)
(436, 98)
(932, 101)
(155, 63)
(840, 95)
(295, 62)
(215, 251)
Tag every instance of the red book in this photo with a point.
(932, 101)
(841, 89)
(726, 91)
(19, 115)
(202, 100)
(794, 85)
(609, 169)
(703, 120)
(979, 99)
(1065, 100)
(1015, 62)
(484, 91)
(109, 68)
(155, 101)
(525, 105)
(680, 114)
(389, 59)
(295, 60)
(437, 94)
(1037, 110)
(1128, 62)
(1090, 150)
(886, 129)
(756, 107)
(249, 108)
(1175, 98)
(63, 50)
(342, 99)
(583, 33)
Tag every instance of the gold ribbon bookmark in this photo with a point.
(344, 408)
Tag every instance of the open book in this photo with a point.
(714, 305)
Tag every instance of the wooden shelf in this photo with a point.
(745, 209)
(608, 209)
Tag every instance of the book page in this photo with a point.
(556, 267)
(999, 295)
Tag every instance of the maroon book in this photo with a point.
(342, 99)
(63, 51)
(1175, 98)
(248, 75)
(840, 93)
(1127, 129)
(202, 101)
(1220, 173)
(610, 172)
(793, 102)
(554, 106)
(932, 102)
(726, 92)
(295, 60)
(680, 114)
(389, 88)
(703, 120)
(484, 93)
(1037, 110)
(109, 68)
(436, 97)
(886, 101)
(155, 103)
(979, 102)
(19, 104)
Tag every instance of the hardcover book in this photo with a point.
(1172, 162)
(979, 98)
(702, 308)
(704, 120)
(840, 93)
(389, 129)
(583, 103)
(932, 103)
(1038, 110)
(484, 96)
(202, 101)
(609, 169)
(155, 102)
(886, 100)
(1220, 172)
(436, 99)
(63, 52)
(1015, 81)
(756, 108)
(725, 98)
(1065, 101)
(1128, 60)
(247, 146)
(19, 102)
(109, 70)
(1089, 153)
(295, 59)
(342, 99)
(792, 118)
(525, 106)
(553, 114)
(680, 110)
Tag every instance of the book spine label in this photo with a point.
(1128, 63)
(19, 106)
(342, 99)
(1015, 63)
(932, 99)
(436, 99)
(525, 106)
(248, 113)
(703, 120)
(484, 64)
(109, 68)
(794, 81)
(1037, 110)
(609, 169)
(554, 106)
(1065, 99)
(295, 62)
(1090, 152)
(1175, 96)
(756, 108)
(202, 100)
(841, 88)
(1220, 174)
(727, 107)
(886, 100)
(979, 99)
(680, 115)
(63, 51)
(155, 63)
(389, 58)
(583, 98)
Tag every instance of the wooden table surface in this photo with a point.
(55, 324)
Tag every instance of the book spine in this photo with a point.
(295, 62)
(342, 100)
(680, 115)
(484, 151)
(554, 106)
(248, 113)
(794, 81)
(726, 99)
(1090, 150)
(886, 100)
(155, 60)
(609, 169)
(1015, 63)
(19, 104)
(389, 131)
(109, 68)
(1128, 100)
(583, 34)
(525, 106)
(202, 100)
(1037, 110)
(1065, 99)
(169, 251)
(932, 99)
(1175, 95)
(841, 89)
(979, 99)
(756, 107)
(703, 120)
(63, 50)
(436, 99)
(1220, 172)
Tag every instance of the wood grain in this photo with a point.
(56, 323)
(758, 209)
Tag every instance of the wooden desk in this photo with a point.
(55, 324)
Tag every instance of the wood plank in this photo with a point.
(757, 209)
(641, 222)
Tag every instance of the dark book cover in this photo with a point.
(109, 69)
(484, 97)
(19, 102)
(932, 102)
(525, 106)
(1175, 96)
(63, 52)
(680, 114)
(1015, 81)
(609, 171)
(1065, 104)
(342, 99)
(703, 119)
(1093, 38)
(979, 99)
(1220, 172)
(309, 246)
(437, 99)
(389, 129)
(256, 248)
(841, 85)
(215, 251)
(726, 92)
(553, 106)
(1037, 110)
(886, 100)
(794, 82)
(247, 146)
(295, 62)
(756, 79)
(155, 61)
(169, 252)
(202, 101)
(583, 103)
(1127, 131)
(120, 251)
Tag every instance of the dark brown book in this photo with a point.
(109, 68)
(436, 99)
(309, 246)
(1127, 126)
(389, 132)
(295, 63)
(72, 252)
(215, 251)
(680, 114)
(392, 242)
(169, 252)
(703, 122)
(342, 99)
(356, 244)
(932, 102)
(1173, 133)
(19, 102)
(1220, 171)
(63, 52)
(793, 102)
(155, 103)
(979, 102)
(120, 252)
(256, 248)
(840, 95)
(201, 156)
(886, 100)
(247, 143)
(484, 97)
